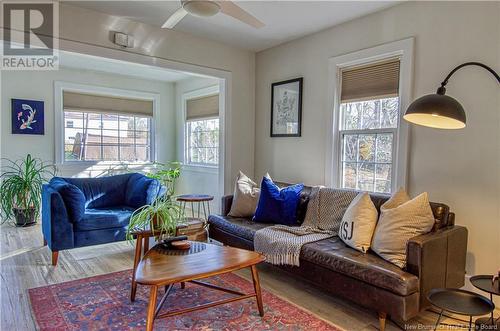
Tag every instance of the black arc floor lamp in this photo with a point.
(439, 110)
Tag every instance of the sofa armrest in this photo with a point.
(226, 203)
(438, 259)
(56, 226)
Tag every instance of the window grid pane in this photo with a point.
(203, 142)
(370, 114)
(367, 136)
(106, 137)
(363, 167)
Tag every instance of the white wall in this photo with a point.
(39, 85)
(460, 168)
(198, 180)
(94, 28)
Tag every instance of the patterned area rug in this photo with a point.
(102, 303)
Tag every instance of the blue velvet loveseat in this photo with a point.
(79, 212)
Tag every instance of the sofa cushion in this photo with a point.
(141, 190)
(401, 219)
(241, 227)
(96, 219)
(335, 255)
(278, 205)
(245, 198)
(358, 223)
(73, 197)
(102, 192)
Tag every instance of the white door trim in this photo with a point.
(225, 91)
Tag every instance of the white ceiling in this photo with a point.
(285, 20)
(88, 62)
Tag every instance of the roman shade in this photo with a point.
(80, 102)
(203, 107)
(373, 81)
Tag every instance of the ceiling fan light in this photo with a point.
(201, 8)
(436, 111)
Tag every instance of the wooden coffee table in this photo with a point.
(164, 267)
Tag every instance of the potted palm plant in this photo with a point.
(21, 189)
(164, 214)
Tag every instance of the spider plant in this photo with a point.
(167, 174)
(162, 217)
(21, 188)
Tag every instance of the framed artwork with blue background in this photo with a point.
(27, 117)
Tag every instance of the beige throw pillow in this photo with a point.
(358, 223)
(246, 196)
(400, 220)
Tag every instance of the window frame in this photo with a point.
(61, 86)
(198, 93)
(402, 49)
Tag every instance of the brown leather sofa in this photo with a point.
(436, 259)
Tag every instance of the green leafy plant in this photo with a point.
(164, 214)
(21, 188)
(162, 217)
(167, 174)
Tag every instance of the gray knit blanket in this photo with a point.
(281, 244)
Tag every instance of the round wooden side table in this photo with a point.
(484, 283)
(459, 302)
(199, 199)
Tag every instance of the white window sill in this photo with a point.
(102, 164)
(200, 168)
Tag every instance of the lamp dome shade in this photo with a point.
(201, 8)
(436, 111)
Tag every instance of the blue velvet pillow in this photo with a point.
(277, 205)
(73, 198)
(141, 190)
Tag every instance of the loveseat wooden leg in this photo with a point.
(381, 321)
(55, 256)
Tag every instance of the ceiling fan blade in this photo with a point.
(233, 10)
(174, 18)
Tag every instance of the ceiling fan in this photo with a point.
(207, 8)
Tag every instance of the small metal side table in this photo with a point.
(484, 283)
(459, 302)
(200, 199)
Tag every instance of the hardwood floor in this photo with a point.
(25, 263)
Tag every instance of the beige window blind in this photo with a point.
(73, 101)
(376, 80)
(203, 107)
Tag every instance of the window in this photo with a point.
(367, 133)
(202, 131)
(203, 142)
(106, 128)
(368, 124)
(106, 137)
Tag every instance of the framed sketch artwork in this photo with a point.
(286, 108)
